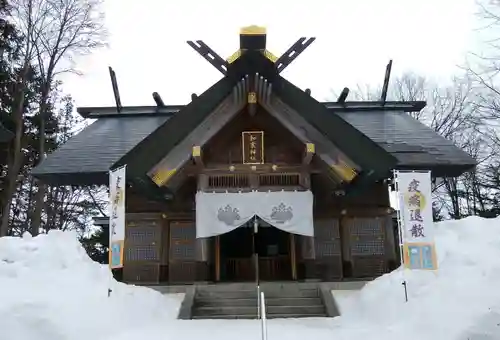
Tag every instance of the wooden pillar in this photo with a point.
(293, 257)
(217, 258)
(309, 257)
(202, 266)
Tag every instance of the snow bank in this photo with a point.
(459, 301)
(51, 290)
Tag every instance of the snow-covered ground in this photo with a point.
(50, 290)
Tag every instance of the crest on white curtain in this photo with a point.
(282, 213)
(229, 215)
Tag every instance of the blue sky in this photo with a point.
(355, 40)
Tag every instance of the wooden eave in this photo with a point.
(154, 147)
(362, 150)
(348, 106)
(169, 170)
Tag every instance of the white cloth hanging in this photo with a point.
(220, 213)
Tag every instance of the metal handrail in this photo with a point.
(263, 317)
(258, 302)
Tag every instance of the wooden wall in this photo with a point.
(353, 239)
(280, 146)
(353, 235)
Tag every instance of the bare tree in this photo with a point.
(451, 112)
(70, 28)
(483, 65)
(35, 16)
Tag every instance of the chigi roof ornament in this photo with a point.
(252, 38)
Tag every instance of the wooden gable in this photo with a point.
(279, 145)
(344, 151)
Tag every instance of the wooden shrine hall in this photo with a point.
(255, 176)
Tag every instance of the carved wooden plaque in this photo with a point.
(253, 147)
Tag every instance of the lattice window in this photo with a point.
(143, 241)
(142, 253)
(141, 234)
(367, 236)
(228, 181)
(368, 246)
(182, 241)
(366, 226)
(328, 248)
(327, 238)
(279, 180)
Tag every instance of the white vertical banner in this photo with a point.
(417, 225)
(117, 217)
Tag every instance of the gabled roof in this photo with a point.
(84, 160)
(141, 136)
(363, 151)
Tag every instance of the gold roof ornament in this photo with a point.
(253, 30)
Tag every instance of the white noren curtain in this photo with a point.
(220, 213)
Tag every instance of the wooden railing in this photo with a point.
(255, 181)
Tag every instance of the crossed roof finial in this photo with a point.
(252, 38)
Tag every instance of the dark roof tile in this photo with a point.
(98, 146)
(410, 141)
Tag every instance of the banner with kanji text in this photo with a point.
(116, 217)
(415, 204)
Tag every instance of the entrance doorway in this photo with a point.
(273, 247)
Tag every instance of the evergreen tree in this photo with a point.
(97, 245)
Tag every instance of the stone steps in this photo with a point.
(254, 316)
(251, 302)
(249, 294)
(252, 310)
(240, 301)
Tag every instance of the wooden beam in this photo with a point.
(385, 87)
(343, 95)
(210, 55)
(116, 92)
(265, 168)
(157, 98)
(168, 110)
(336, 160)
(309, 153)
(293, 52)
(170, 166)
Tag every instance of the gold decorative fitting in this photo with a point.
(196, 151)
(233, 57)
(274, 167)
(253, 30)
(231, 168)
(252, 97)
(270, 56)
(310, 147)
(344, 170)
(162, 176)
(254, 168)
